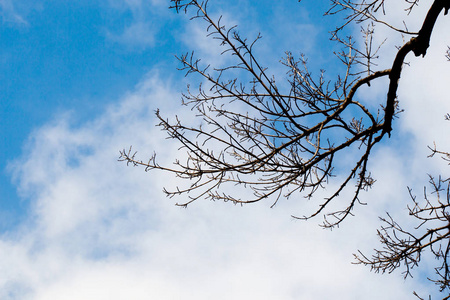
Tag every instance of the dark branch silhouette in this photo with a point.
(403, 246)
(284, 139)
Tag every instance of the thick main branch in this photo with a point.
(418, 45)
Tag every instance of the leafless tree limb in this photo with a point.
(404, 246)
(288, 138)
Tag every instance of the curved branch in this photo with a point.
(419, 46)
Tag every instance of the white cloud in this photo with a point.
(138, 35)
(101, 230)
(9, 13)
(144, 24)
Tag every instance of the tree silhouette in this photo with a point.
(289, 136)
(404, 245)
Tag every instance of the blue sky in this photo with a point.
(62, 56)
(81, 80)
(79, 56)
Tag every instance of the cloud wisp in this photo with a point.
(142, 26)
(9, 13)
(100, 230)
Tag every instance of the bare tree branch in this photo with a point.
(286, 139)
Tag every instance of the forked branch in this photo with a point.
(283, 140)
